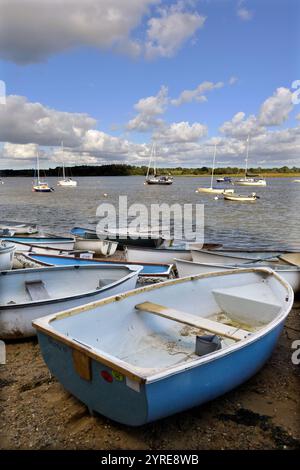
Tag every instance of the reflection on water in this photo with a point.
(273, 221)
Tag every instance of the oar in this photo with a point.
(255, 260)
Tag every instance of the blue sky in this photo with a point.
(247, 47)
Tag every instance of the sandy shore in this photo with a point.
(37, 413)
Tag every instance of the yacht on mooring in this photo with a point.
(66, 181)
(40, 186)
(247, 180)
(155, 178)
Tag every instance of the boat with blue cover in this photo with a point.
(148, 269)
(27, 294)
(122, 236)
(158, 350)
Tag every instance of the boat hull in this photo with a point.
(159, 255)
(26, 243)
(215, 191)
(16, 321)
(102, 247)
(202, 256)
(156, 400)
(6, 256)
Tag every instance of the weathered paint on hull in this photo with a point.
(164, 397)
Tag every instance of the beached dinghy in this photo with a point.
(6, 255)
(149, 269)
(230, 257)
(122, 236)
(188, 268)
(27, 294)
(158, 350)
(48, 241)
(164, 254)
(19, 228)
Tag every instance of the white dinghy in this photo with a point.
(160, 349)
(27, 294)
(6, 255)
(188, 268)
(230, 257)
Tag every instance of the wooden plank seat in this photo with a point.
(211, 326)
(37, 290)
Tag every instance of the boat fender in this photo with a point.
(207, 344)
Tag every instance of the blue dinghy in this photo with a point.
(157, 350)
(149, 269)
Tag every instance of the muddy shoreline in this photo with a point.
(37, 413)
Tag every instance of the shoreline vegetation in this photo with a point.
(129, 170)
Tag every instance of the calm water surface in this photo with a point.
(273, 221)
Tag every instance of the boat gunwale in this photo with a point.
(224, 254)
(139, 374)
(34, 303)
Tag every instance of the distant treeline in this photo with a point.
(129, 170)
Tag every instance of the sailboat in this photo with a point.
(211, 189)
(40, 186)
(247, 181)
(155, 178)
(66, 182)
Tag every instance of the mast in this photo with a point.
(154, 158)
(247, 155)
(213, 167)
(150, 161)
(62, 148)
(38, 167)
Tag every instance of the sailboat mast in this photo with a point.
(150, 161)
(38, 167)
(154, 158)
(247, 155)
(62, 148)
(213, 167)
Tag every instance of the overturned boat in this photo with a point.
(45, 242)
(27, 294)
(155, 351)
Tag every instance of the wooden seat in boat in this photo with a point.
(192, 320)
(37, 290)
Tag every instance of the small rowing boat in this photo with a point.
(18, 228)
(48, 241)
(158, 350)
(241, 198)
(27, 294)
(121, 236)
(149, 269)
(230, 257)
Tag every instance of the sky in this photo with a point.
(107, 78)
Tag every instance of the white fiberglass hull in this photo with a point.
(215, 191)
(6, 255)
(101, 247)
(155, 255)
(62, 288)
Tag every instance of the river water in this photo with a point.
(273, 221)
